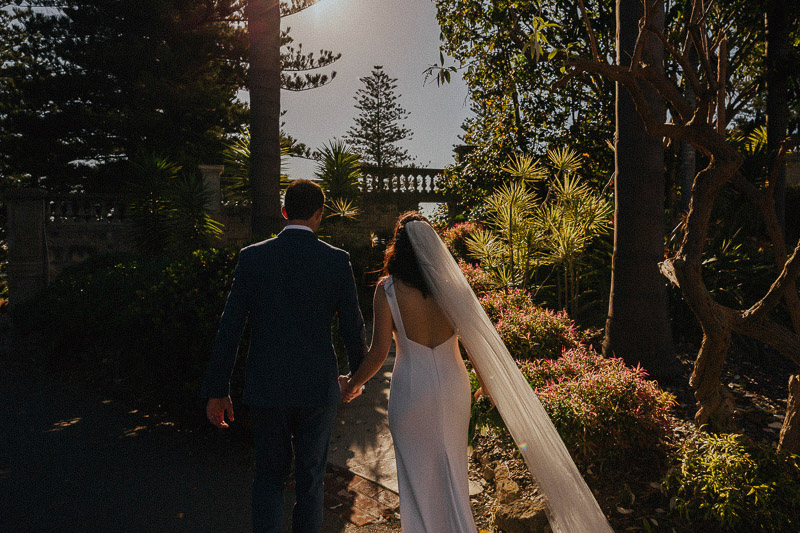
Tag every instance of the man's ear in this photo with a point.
(283, 212)
(318, 213)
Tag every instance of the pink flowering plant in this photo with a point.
(604, 411)
(479, 280)
(456, 239)
(530, 332)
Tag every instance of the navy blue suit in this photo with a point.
(290, 287)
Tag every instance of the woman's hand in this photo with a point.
(348, 392)
(481, 393)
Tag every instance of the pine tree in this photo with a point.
(376, 131)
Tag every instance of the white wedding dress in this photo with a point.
(429, 407)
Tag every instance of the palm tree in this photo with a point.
(237, 159)
(339, 168)
(524, 234)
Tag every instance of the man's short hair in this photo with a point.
(302, 199)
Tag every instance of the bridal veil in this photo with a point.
(572, 507)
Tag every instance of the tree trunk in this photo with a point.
(637, 328)
(777, 74)
(790, 432)
(264, 27)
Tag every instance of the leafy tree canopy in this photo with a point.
(502, 48)
(89, 84)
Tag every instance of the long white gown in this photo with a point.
(429, 406)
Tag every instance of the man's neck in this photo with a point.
(303, 223)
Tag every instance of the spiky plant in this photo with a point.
(151, 207)
(342, 208)
(339, 169)
(168, 207)
(525, 235)
(236, 158)
(192, 224)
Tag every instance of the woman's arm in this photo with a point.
(482, 391)
(381, 342)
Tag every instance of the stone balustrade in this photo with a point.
(420, 182)
(85, 208)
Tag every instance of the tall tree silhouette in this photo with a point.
(638, 328)
(377, 129)
(270, 71)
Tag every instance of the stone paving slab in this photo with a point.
(361, 442)
(356, 499)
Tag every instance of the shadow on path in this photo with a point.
(71, 461)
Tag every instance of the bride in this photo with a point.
(424, 302)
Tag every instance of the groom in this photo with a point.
(291, 287)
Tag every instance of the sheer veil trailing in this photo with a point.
(572, 507)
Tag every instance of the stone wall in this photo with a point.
(47, 233)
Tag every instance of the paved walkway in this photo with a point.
(73, 461)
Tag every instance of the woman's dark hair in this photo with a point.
(303, 198)
(399, 260)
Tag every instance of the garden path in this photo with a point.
(71, 460)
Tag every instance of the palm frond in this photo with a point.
(564, 160)
(342, 208)
(524, 167)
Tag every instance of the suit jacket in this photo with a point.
(291, 287)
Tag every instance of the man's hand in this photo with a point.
(348, 394)
(217, 408)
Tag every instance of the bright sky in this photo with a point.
(401, 35)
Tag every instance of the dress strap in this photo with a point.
(391, 296)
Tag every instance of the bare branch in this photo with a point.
(592, 39)
(742, 99)
(682, 59)
(641, 39)
(722, 57)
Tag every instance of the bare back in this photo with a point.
(422, 318)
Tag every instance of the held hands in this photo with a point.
(481, 393)
(217, 408)
(348, 392)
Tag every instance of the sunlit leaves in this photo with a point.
(564, 159)
(525, 168)
(342, 208)
(525, 233)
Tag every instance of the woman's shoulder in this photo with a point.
(383, 283)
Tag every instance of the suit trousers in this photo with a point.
(278, 430)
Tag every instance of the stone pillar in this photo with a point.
(212, 178)
(27, 247)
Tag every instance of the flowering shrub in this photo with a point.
(735, 483)
(603, 409)
(480, 280)
(455, 239)
(530, 332)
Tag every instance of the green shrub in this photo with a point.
(605, 411)
(529, 331)
(734, 483)
(157, 317)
